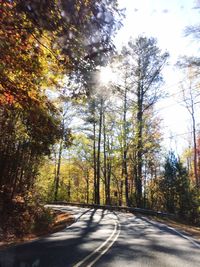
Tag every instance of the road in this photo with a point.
(105, 238)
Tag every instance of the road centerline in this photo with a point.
(102, 247)
(107, 248)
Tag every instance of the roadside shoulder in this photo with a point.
(192, 231)
(61, 221)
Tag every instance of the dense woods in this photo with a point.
(77, 117)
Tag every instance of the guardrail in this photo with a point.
(118, 208)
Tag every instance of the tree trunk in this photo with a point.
(107, 166)
(139, 146)
(121, 192)
(98, 155)
(190, 107)
(87, 186)
(57, 178)
(108, 182)
(94, 163)
(124, 164)
(195, 148)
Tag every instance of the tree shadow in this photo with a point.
(143, 243)
(62, 248)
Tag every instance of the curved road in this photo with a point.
(106, 238)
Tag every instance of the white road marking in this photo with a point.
(177, 232)
(184, 236)
(100, 247)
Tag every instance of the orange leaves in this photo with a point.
(6, 99)
(20, 69)
(9, 98)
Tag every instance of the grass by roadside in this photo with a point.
(59, 222)
(193, 231)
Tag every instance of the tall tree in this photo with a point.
(190, 98)
(66, 139)
(147, 62)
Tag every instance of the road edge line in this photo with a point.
(194, 242)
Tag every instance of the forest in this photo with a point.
(77, 117)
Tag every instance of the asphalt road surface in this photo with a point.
(106, 238)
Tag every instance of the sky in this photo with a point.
(166, 20)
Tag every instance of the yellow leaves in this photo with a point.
(87, 2)
(156, 135)
(32, 95)
(78, 7)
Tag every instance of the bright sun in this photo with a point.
(106, 75)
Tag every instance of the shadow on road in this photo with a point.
(143, 243)
(61, 249)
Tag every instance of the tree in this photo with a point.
(29, 122)
(89, 113)
(124, 91)
(66, 139)
(175, 186)
(190, 99)
(146, 63)
(41, 43)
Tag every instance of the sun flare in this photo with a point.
(106, 75)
